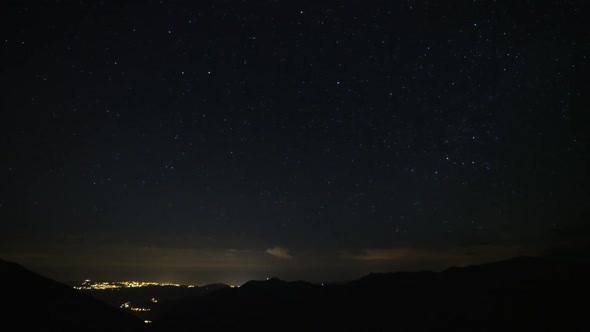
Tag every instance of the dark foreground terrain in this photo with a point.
(32, 302)
(521, 294)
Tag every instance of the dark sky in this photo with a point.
(223, 141)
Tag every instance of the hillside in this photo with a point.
(521, 294)
(32, 301)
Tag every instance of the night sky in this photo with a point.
(224, 141)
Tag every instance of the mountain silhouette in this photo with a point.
(520, 294)
(34, 302)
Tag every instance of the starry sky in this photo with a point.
(224, 141)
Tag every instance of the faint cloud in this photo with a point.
(444, 256)
(240, 251)
(279, 252)
(403, 254)
(384, 254)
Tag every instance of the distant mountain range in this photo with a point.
(520, 294)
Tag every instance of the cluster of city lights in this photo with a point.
(102, 285)
(140, 309)
(127, 305)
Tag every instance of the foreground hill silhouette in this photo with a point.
(521, 294)
(32, 302)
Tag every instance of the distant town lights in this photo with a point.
(87, 284)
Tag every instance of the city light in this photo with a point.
(140, 309)
(103, 285)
